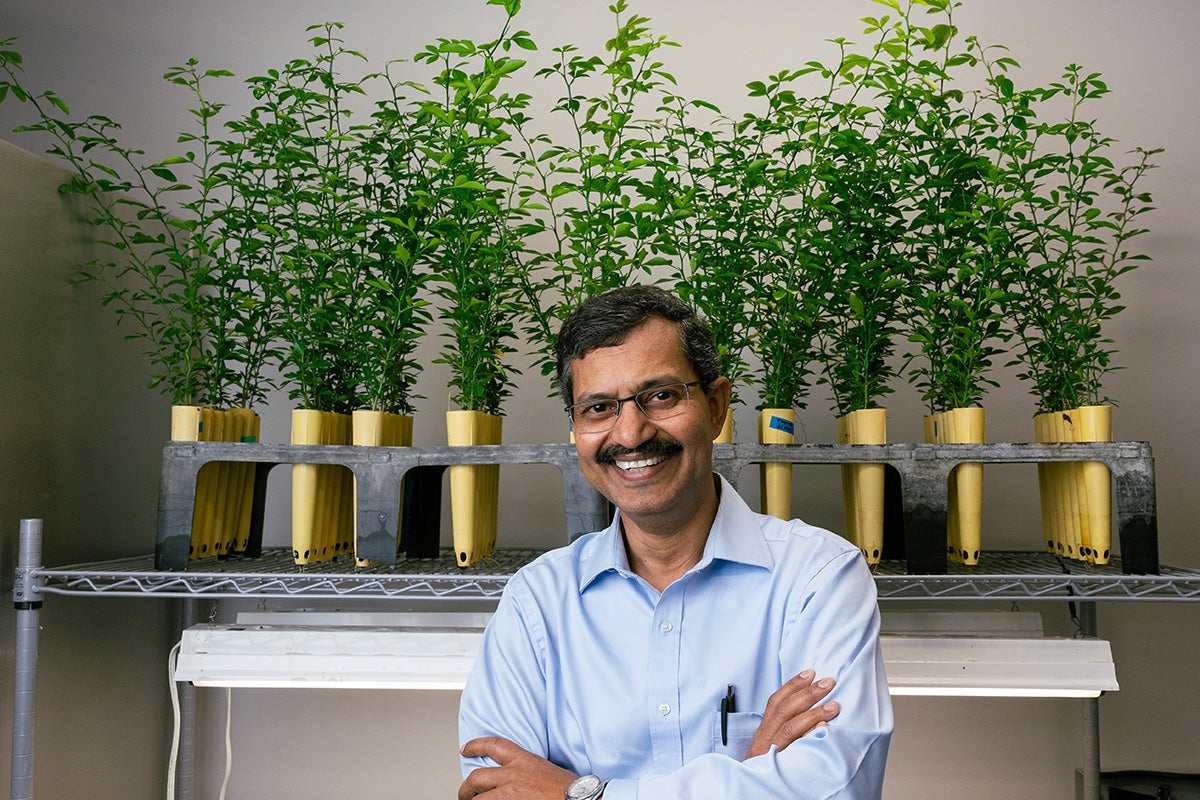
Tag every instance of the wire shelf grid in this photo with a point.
(999, 576)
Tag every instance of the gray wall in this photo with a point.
(79, 441)
(103, 713)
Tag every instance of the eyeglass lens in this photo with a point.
(657, 403)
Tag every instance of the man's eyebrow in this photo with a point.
(649, 383)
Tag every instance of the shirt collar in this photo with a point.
(735, 536)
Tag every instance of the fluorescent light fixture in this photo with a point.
(982, 654)
(360, 651)
(991, 654)
(1046, 667)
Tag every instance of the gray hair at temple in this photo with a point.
(606, 319)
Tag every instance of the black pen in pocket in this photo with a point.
(728, 706)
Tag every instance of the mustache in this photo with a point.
(658, 446)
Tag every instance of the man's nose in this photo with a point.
(632, 427)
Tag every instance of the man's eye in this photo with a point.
(663, 396)
(602, 409)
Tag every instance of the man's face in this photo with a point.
(656, 472)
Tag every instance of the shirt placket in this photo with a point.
(666, 730)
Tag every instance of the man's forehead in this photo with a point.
(650, 354)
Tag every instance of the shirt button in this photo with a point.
(666, 626)
(664, 709)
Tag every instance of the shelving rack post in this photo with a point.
(27, 603)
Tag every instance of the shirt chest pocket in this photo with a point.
(740, 728)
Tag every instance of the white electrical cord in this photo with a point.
(172, 658)
(228, 740)
(172, 761)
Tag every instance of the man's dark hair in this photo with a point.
(606, 319)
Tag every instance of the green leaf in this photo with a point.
(856, 306)
(508, 66)
(462, 182)
(57, 102)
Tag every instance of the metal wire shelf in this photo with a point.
(274, 574)
(1033, 576)
(999, 576)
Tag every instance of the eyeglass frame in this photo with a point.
(620, 401)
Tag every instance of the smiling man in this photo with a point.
(694, 648)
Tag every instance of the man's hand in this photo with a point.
(520, 776)
(792, 712)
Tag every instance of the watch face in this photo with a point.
(584, 787)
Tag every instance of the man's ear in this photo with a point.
(719, 395)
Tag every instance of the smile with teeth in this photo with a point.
(629, 466)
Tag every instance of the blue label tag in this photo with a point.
(781, 424)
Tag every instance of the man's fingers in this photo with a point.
(803, 724)
(484, 779)
(795, 697)
(479, 781)
(794, 711)
(520, 774)
(497, 748)
(798, 681)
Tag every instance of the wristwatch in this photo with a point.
(588, 787)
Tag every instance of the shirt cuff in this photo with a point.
(621, 789)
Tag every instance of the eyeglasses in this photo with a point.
(657, 403)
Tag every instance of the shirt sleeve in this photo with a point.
(835, 632)
(505, 693)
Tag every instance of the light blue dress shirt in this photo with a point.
(587, 665)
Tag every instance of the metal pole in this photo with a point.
(1091, 719)
(27, 601)
(185, 772)
(1091, 749)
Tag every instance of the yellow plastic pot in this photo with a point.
(209, 488)
(187, 426)
(1061, 496)
(474, 488)
(1064, 431)
(965, 506)
(1094, 424)
(321, 521)
(229, 476)
(862, 484)
(224, 490)
(776, 426)
(1046, 486)
(306, 429)
(248, 425)
(339, 487)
